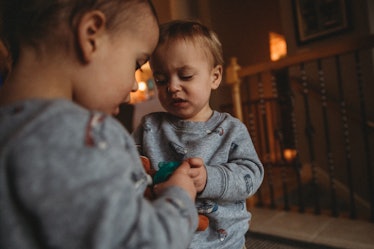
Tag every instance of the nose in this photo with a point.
(174, 86)
(134, 86)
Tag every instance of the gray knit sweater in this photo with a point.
(70, 178)
(234, 171)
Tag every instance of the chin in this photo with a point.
(184, 117)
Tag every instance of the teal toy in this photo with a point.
(163, 173)
(165, 169)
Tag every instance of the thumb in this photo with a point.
(183, 168)
(196, 162)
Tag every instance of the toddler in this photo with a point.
(187, 66)
(70, 175)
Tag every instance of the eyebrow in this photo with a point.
(185, 68)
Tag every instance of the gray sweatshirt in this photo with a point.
(234, 171)
(70, 178)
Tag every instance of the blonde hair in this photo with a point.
(196, 32)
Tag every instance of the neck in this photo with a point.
(31, 79)
(202, 116)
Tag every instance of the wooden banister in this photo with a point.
(323, 52)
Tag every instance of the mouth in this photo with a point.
(178, 101)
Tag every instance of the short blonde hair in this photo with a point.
(196, 32)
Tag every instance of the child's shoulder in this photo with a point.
(58, 121)
(38, 113)
(227, 117)
(229, 122)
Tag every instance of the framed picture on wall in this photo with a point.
(315, 19)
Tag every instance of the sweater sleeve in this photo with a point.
(239, 177)
(92, 196)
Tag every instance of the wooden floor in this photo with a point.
(264, 241)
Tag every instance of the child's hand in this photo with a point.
(180, 178)
(198, 173)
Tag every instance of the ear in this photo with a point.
(216, 76)
(90, 30)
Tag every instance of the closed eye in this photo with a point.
(138, 67)
(140, 62)
(186, 78)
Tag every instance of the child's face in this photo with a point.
(185, 77)
(110, 75)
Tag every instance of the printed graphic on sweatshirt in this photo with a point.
(222, 234)
(178, 149)
(220, 131)
(248, 183)
(233, 147)
(94, 131)
(206, 207)
(241, 204)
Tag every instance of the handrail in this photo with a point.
(277, 117)
(323, 52)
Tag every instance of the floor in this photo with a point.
(263, 241)
(322, 229)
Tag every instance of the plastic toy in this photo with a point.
(155, 177)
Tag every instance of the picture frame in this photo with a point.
(315, 19)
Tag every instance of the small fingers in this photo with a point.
(184, 168)
(193, 173)
(196, 162)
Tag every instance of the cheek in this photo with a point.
(161, 95)
(162, 92)
(124, 73)
(127, 80)
(201, 93)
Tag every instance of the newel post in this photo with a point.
(233, 80)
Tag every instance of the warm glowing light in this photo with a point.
(142, 86)
(278, 46)
(145, 81)
(289, 154)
